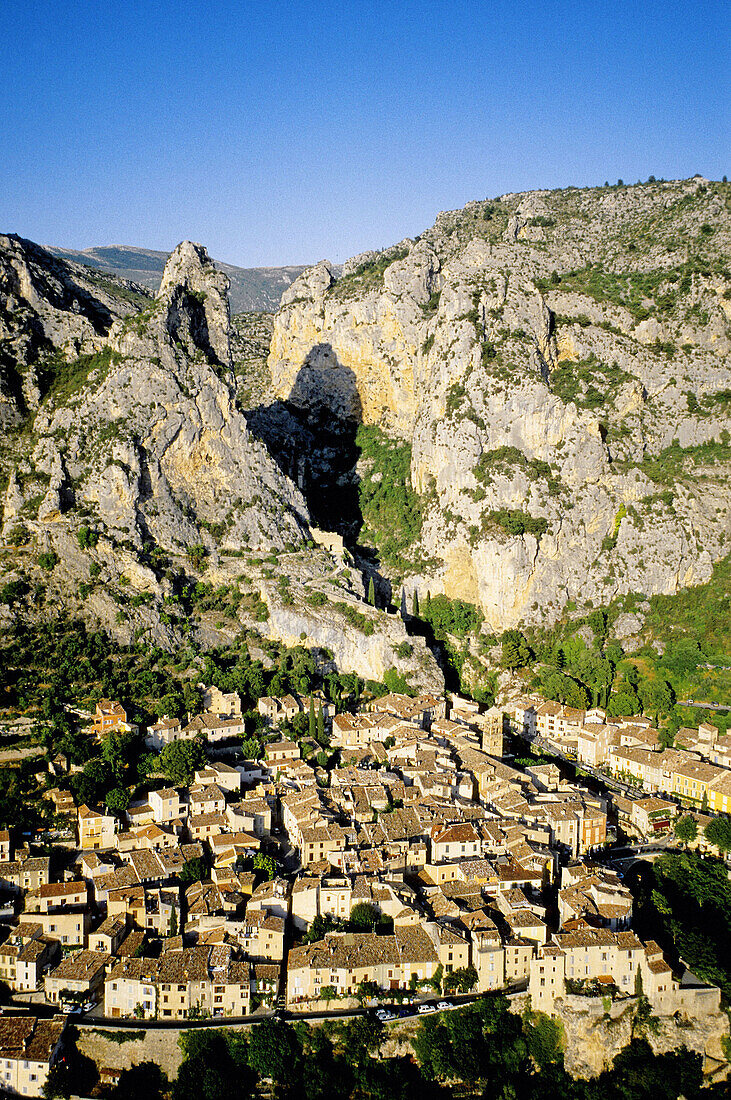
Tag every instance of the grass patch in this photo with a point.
(62, 380)
(368, 276)
(672, 463)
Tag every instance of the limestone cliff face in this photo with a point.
(153, 445)
(594, 1037)
(355, 356)
(131, 471)
(371, 656)
(537, 352)
(48, 307)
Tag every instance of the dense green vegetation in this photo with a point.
(676, 462)
(50, 667)
(683, 900)
(515, 522)
(61, 379)
(701, 613)
(454, 617)
(391, 510)
(589, 383)
(694, 627)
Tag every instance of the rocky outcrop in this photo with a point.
(371, 656)
(538, 352)
(136, 475)
(194, 296)
(142, 444)
(153, 442)
(596, 1034)
(48, 308)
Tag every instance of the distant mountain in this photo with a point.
(252, 288)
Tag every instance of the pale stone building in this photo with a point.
(28, 1048)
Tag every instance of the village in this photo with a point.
(425, 862)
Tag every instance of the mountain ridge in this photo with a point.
(251, 288)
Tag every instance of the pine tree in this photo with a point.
(313, 725)
(371, 593)
(415, 604)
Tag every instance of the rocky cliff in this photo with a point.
(595, 1034)
(131, 473)
(558, 363)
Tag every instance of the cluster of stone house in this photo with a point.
(180, 984)
(427, 824)
(219, 943)
(451, 846)
(696, 771)
(221, 720)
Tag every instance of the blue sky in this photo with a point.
(284, 132)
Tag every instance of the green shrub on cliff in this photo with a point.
(391, 510)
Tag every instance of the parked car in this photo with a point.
(384, 1014)
(443, 1005)
(425, 1009)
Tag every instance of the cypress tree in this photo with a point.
(415, 604)
(313, 725)
(320, 725)
(371, 593)
(639, 990)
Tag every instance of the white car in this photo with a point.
(425, 1009)
(442, 1006)
(384, 1014)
